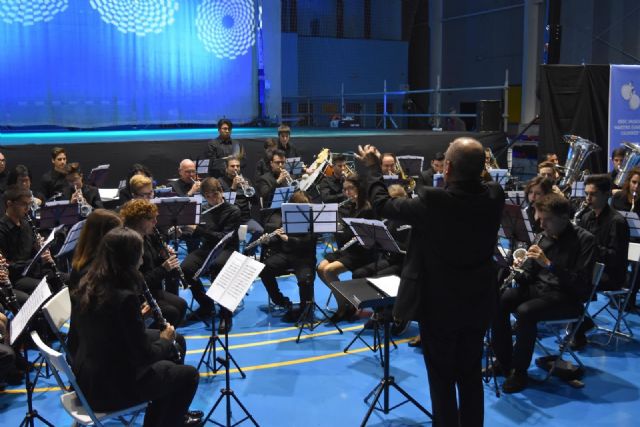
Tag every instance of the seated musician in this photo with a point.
(283, 252)
(264, 164)
(267, 183)
(388, 164)
(627, 199)
(617, 157)
(124, 193)
(612, 241)
(76, 189)
(355, 256)
(18, 244)
(118, 363)
(20, 176)
(284, 142)
(234, 181)
(537, 187)
(220, 220)
(554, 282)
(159, 264)
(437, 166)
(9, 372)
(548, 170)
(330, 187)
(188, 184)
(4, 173)
(53, 181)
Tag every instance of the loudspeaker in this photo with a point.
(489, 115)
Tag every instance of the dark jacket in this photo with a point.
(53, 182)
(242, 201)
(449, 277)
(90, 193)
(330, 189)
(218, 150)
(216, 223)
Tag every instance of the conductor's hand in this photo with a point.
(369, 155)
(535, 253)
(280, 233)
(171, 263)
(168, 333)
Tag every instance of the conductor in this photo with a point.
(448, 281)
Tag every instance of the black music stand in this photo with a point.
(58, 213)
(633, 222)
(293, 165)
(202, 166)
(411, 165)
(304, 218)
(98, 176)
(177, 211)
(516, 225)
(361, 294)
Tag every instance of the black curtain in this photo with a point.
(575, 100)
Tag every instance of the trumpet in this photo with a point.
(521, 254)
(247, 189)
(410, 182)
(84, 208)
(290, 181)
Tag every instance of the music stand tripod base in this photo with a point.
(209, 357)
(377, 340)
(308, 318)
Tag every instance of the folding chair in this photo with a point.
(57, 311)
(74, 402)
(618, 300)
(565, 329)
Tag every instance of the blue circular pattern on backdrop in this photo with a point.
(28, 12)
(141, 17)
(226, 27)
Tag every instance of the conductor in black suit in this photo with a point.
(448, 281)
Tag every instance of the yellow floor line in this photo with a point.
(245, 334)
(281, 340)
(245, 369)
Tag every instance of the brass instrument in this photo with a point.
(631, 160)
(409, 181)
(581, 210)
(521, 254)
(247, 189)
(579, 150)
(84, 208)
(290, 181)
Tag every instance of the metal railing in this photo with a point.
(310, 110)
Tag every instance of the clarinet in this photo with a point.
(39, 240)
(507, 282)
(260, 240)
(157, 315)
(166, 256)
(581, 210)
(7, 296)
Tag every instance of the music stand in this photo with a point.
(577, 190)
(162, 192)
(305, 218)
(230, 197)
(361, 294)
(177, 211)
(634, 223)
(23, 322)
(390, 180)
(516, 225)
(228, 289)
(501, 176)
(202, 166)
(411, 165)
(293, 165)
(54, 214)
(438, 180)
(98, 175)
(516, 198)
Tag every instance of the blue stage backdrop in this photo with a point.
(92, 63)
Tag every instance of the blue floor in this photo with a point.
(314, 383)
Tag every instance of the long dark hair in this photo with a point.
(114, 267)
(99, 222)
(627, 182)
(362, 202)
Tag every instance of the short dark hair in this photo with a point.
(225, 122)
(278, 153)
(270, 143)
(339, 158)
(601, 181)
(554, 204)
(284, 129)
(14, 193)
(383, 155)
(56, 151)
(439, 156)
(619, 152)
(545, 183)
(19, 171)
(72, 168)
(230, 158)
(547, 165)
(210, 184)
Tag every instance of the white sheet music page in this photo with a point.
(387, 284)
(234, 280)
(30, 307)
(45, 246)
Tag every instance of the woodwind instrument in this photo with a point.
(60, 283)
(156, 312)
(7, 296)
(166, 254)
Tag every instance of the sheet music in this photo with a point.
(232, 283)
(202, 166)
(499, 175)
(293, 165)
(107, 194)
(515, 197)
(297, 217)
(45, 246)
(71, 240)
(216, 249)
(387, 284)
(30, 307)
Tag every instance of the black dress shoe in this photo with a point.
(415, 342)
(225, 326)
(192, 421)
(195, 414)
(516, 382)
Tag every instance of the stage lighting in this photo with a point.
(29, 12)
(141, 17)
(226, 27)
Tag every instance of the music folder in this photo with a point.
(234, 280)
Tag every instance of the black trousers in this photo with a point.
(7, 361)
(277, 264)
(173, 307)
(381, 268)
(191, 264)
(454, 364)
(530, 305)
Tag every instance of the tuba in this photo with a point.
(579, 150)
(631, 160)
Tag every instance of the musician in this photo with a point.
(3, 173)
(264, 164)
(233, 181)
(555, 281)
(124, 194)
(223, 147)
(552, 158)
(490, 161)
(330, 187)
(76, 189)
(188, 184)
(53, 181)
(19, 245)
(612, 241)
(119, 364)
(277, 177)
(220, 220)
(450, 293)
(141, 187)
(20, 176)
(9, 372)
(537, 187)
(159, 264)
(284, 142)
(426, 177)
(627, 198)
(353, 257)
(617, 157)
(548, 170)
(283, 252)
(388, 164)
